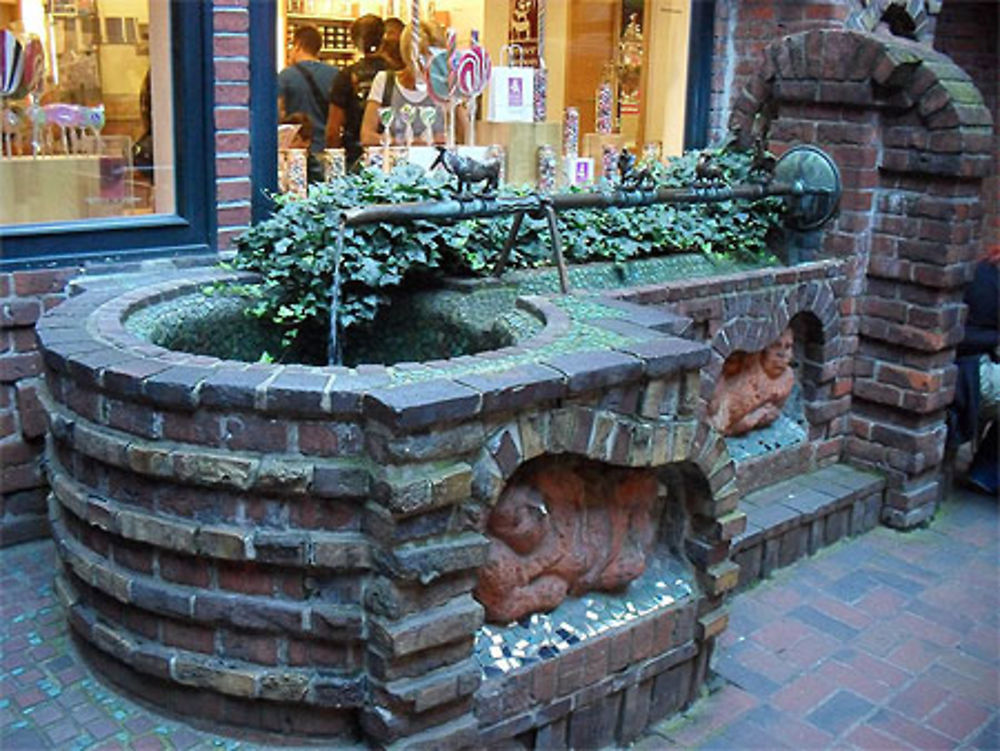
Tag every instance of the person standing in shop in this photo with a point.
(351, 87)
(396, 88)
(304, 86)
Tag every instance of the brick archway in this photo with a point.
(908, 18)
(913, 139)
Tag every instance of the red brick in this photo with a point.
(41, 282)
(247, 578)
(21, 477)
(250, 647)
(958, 718)
(235, 216)
(232, 93)
(233, 190)
(233, 143)
(232, 70)
(230, 45)
(188, 636)
(232, 118)
(231, 20)
(184, 569)
(14, 367)
(15, 450)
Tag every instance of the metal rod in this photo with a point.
(508, 245)
(557, 252)
(486, 206)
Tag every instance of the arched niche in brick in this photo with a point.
(605, 436)
(812, 312)
(912, 19)
(697, 518)
(912, 137)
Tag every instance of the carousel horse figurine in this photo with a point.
(36, 116)
(11, 122)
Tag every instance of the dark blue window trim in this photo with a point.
(263, 107)
(192, 228)
(701, 48)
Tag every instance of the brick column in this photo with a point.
(912, 137)
(24, 296)
(231, 61)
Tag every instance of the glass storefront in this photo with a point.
(87, 110)
(576, 80)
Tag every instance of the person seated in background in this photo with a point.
(304, 86)
(396, 88)
(977, 392)
(351, 88)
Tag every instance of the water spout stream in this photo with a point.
(334, 355)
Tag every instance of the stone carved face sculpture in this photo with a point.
(777, 357)
(753, 387)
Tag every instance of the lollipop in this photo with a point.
(385, 115)
(407, 114)
(33, 72)
(472, 73)
(428, 116)
(11, 63)
(436, 74)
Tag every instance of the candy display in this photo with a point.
(605, 108)
(292, 172)
(571, 132)
(334, 164)
(540, 94)
(609, 162)
(547, 166)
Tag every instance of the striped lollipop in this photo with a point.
(11, 62)
(33, 74)
(472, 71)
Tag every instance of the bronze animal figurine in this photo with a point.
(706, 171)
(469, 171)
(631, 178)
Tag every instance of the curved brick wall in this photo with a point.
(294, 548)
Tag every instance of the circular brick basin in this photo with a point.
(294, 548)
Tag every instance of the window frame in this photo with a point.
(190, 229)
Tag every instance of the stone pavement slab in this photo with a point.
(889, 640)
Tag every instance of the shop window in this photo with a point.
(92, 157)
(619, 68)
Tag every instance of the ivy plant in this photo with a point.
(293, 251)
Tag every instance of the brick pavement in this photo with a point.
(885, 641)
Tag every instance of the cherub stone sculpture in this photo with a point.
(753, 388)
(564, 529)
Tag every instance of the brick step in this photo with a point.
(795, 518)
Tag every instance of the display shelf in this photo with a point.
(335, 31)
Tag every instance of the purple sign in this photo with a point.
(582, 171)
(515, 92)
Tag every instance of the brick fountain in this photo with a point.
(531, 544)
